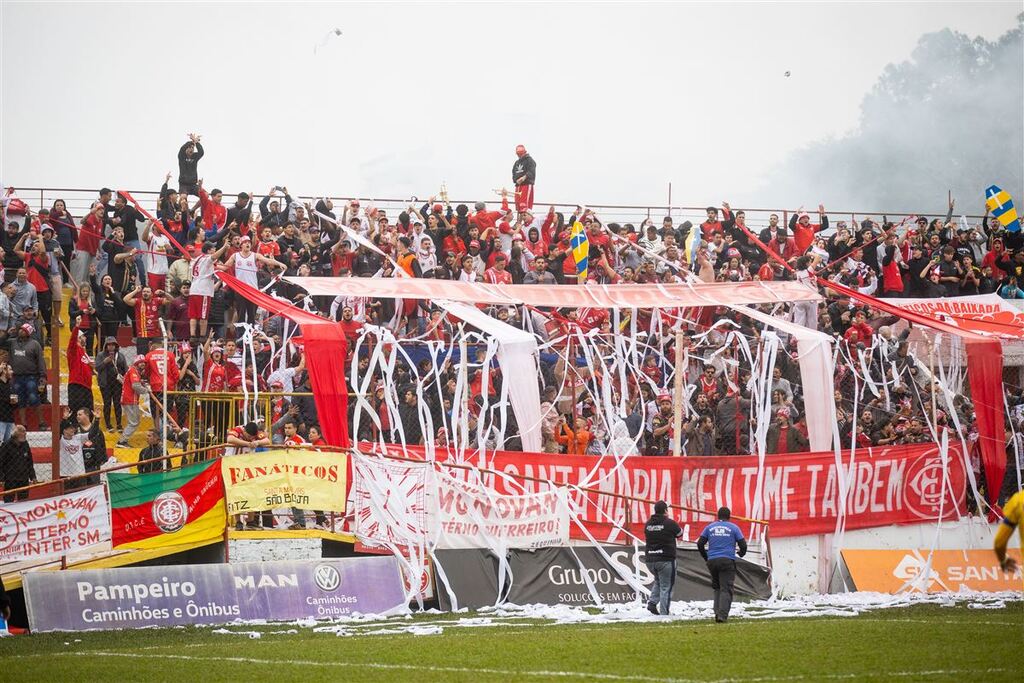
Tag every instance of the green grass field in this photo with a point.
(923, 642)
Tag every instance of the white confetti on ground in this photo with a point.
(838, 605)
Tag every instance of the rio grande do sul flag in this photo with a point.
(176, 507)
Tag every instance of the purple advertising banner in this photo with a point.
(205, 594)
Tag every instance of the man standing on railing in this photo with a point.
(524, 175)
(16, 465)
(717, 545)
(660, 534)
(188, 165)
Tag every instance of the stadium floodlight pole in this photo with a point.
(677, 402)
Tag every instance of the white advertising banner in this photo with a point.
(49, 527)
(469, 516)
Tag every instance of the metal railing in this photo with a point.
(79, 200)
(759, 528)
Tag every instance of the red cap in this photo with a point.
(474, 243)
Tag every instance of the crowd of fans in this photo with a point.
(159, 276)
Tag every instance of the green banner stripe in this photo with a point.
(128, 489)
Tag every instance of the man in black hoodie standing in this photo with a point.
(524, 175)
(660, 534)
(188, 165)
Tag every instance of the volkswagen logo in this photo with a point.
(327, 577)
(170, 512)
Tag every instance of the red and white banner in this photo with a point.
(466, 515)
(985, 313)
(572, 296)
(799, 494)
(50, 527)
(389, 502)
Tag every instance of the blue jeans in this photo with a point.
(664, 579)
(27, 389)
(5, 431)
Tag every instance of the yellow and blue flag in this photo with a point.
(691, 244)
(580, 250)
(1000, 204)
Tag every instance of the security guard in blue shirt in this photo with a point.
(717, 545)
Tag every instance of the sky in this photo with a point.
(614, 101)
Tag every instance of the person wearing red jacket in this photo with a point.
(79, 372)
(87, 246)
(497, 274)
(859, 331)
(134, 386)
(163, 370)
(803, 230)
(484, 219)
(214, 213)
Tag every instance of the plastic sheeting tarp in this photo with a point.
(571, 296)
(517, 357)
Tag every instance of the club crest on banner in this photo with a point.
(170, 512)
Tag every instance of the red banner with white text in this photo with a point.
(797, 494)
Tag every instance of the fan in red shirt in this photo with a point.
(803, 230)
(342, 257)
(349, 325)
(497, 275)
(214, 375)
(162, 367)
(79, 373)
(147, 315)
(711, 224)
(591, 318)
(268, 246)
(861, 328)
(214, 213)
(484, 219)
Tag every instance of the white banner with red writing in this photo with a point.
(799, 493)
(49, 527)
(984, 313)
(467, 515)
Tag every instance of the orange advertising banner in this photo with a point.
(894, 571)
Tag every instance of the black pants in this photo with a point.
(79, 397)
(111, 399)
(245, 310)
(723, 574)
(45, 300)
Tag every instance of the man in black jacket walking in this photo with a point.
(188, 165)
(524, 175)
(660, 534)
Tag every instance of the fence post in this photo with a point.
(55, 420)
